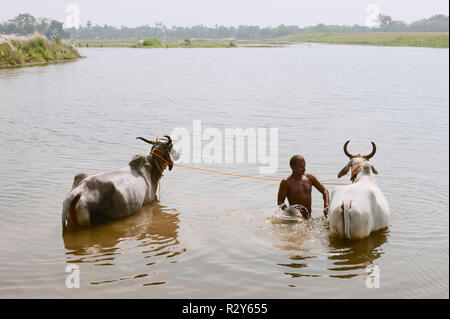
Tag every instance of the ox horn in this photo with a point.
(374, 150)
(145, 140)
(345, 150)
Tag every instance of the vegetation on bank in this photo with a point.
(151, 42)
(35, 49)
(415, 39)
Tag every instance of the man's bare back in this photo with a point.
(298, 186)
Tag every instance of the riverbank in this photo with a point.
(154, 43)
(172, 43)
(411, 39)
(34, 50)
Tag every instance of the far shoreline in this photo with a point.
(386, 39)
(390, 39)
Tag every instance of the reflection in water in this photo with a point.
(153, 231)
(311, 239)
(304, 240)
(351, 256)
(308, 237)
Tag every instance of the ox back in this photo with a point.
(96, 199)
(358, 209)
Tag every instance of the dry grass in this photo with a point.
(22, 50)
(417, 39)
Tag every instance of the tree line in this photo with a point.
(25, 24)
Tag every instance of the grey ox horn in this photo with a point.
(345, 149)
(367, 157)
(374, 150)
(145, 140)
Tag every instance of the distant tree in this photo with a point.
(384, 21)
(55, 30)
(437, 23)
(24, 23)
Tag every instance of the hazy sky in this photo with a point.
(224, 12)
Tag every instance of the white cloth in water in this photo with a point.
(293, 212)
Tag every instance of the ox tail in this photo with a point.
(64, 214)
(346, 211)
(69, 208)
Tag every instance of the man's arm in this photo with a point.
(282, 193)
(326, 197)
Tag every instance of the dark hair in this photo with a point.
(294, 159)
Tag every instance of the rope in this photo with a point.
(239, 175)
(225, 173)
(230, 174)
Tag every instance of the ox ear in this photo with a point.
(137, 161)
(374, 170)
(174, 155)
(78, 178)
(344, 170)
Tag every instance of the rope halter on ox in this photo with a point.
(161, 158)
(355, 170)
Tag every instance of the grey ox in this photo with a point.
(95, 199)
(360, 208)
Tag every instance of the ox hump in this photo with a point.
(78, 179)
(137, 161)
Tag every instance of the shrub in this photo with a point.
(151, 42)
(17, 50)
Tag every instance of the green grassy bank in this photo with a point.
(415, 39)
(22, 51)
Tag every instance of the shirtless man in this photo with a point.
(297, 188)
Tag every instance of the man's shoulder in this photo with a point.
(311, 177)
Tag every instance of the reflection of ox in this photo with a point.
(98, 198)
(360, 208)
(154, 224)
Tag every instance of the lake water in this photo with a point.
(210, 235)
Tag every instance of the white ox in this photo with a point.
(358, 209)
(95, 199)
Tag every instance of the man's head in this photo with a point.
(298, 165)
